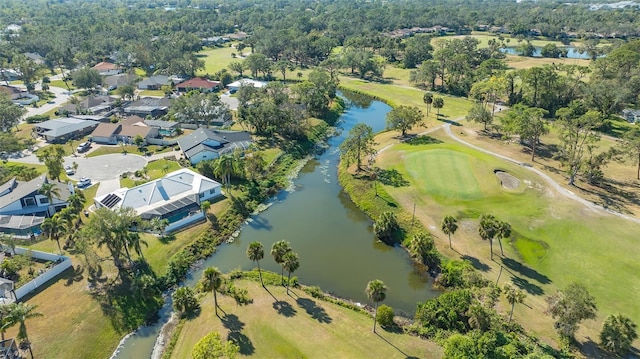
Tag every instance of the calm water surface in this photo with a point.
(332, 237)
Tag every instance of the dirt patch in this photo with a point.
(507, 180)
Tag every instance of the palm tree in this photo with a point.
(184, 300)
(54, 227)
(291, 264)
(420, 245)
(449, 226)
(224, 168)
(438, 103)
(618, 333)
(76, 201)
(503, 231)
(255, 252)
(488, 229)
(18, 314)
(49, 190)
(428, 100)
(376, 292)
(211, 280)
(514, 295)
(278, 250)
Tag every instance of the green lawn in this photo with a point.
(153, 93)
(277, 325)
(60, 83)
(155, 170)
(218, 58)
(454, 107)
(558, 240)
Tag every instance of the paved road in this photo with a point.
(62, 97)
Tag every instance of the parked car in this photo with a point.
(84, 182)
(84, 146)
(69, 170)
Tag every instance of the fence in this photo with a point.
(187, 221)
(62, 263)
(162, 141)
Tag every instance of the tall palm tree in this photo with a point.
(503, 231)
(49, 190)
(211, 280)
(224, 167)
(514, 295)
(428, 100)
(291, 264)
(449, 226)
(18, 314)
(76, 201)
(278, 250)
(255, 252)
(54, 227)
(488, 229)
(376, 292)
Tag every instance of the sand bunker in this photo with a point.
(507, 180)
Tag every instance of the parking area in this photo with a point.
(106, 167)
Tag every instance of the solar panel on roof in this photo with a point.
(110, 200)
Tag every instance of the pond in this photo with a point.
(332, 237)
(572, 52)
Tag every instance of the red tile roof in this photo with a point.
(105, 66)
(198, 83)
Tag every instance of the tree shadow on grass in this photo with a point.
(591, 349)
(395, 347)
(243, 341)
(76, 275)
(525, 271)
(232, 322)
(391, 178)
(476, 263)
(318, 313)
(527, 286)
(284, 308)
(423, 140)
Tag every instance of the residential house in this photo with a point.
(205, 144)
(23, 207)
(107, 68)
(9, 75)
(154, 82)
(235, 86)
(36, 58)
(148, 106)
(214, 40)
(165, 128)
(113, 133)
(90, 105)
(60, 130)
(173, 197)
(114, 81)
(238, 36)
(14, 93)
(198, 84)
(631, 115)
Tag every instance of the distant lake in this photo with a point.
(572, 52)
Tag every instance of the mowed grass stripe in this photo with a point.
(444, 174)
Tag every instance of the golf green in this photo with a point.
(445, 174)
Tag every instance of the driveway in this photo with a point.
(232, 102)
(105, 167)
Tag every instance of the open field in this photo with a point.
(556, 240)
(277, 325)
(520, 62)
(218, 58)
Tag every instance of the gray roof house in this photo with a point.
(90, 105)
(175, 197)
(23, 207)
(114, 81)
(148, 106)
(631, 115)
(205, 144)
(60, 130)
(154, 82)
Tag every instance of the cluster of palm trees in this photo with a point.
(65, 222)
(248, 165)
(282, 254)
(17, 314)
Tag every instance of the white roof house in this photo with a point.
(175, 194)
(235, 86)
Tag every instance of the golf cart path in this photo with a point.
(558, 188)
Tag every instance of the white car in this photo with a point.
(83, 146)
(69, 170)
(84, 182)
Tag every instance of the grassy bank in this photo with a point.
(277, 325)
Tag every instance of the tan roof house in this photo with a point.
(113, 133)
